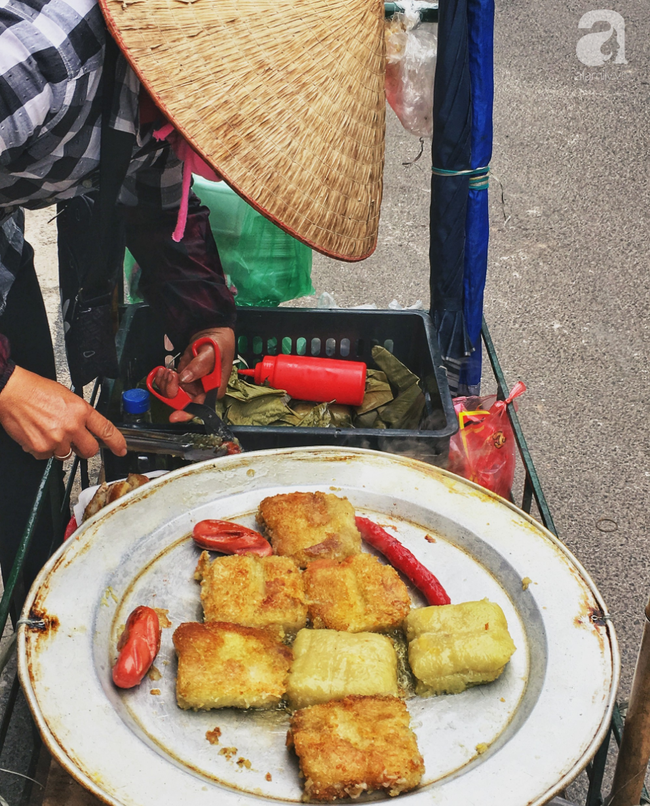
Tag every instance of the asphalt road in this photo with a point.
(568, 292)
(567, 299)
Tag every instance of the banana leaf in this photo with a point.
(378, 392)
(258, 411)
(239, 389)
(405, 411)
(319, 417)
(301, 408)
(368, 420)
(247, 404)
(341, 415)
(399, 376)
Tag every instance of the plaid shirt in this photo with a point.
(51, 57)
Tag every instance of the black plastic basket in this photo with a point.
(340, 333)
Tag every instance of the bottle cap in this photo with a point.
(135, 401)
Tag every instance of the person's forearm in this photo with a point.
(7, 366)
(183, 281)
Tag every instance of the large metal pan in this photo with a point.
(515, 742)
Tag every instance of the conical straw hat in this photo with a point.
(284, 99)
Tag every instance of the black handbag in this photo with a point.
(88, 321)
(90, 341)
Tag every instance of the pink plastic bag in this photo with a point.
(484, 450)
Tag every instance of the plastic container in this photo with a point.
(342, 334)
(136, 407)
(320, 380)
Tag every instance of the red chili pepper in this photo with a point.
(402, 559)
(230, 538)
(138, 647)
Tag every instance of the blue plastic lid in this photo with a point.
(135, 401)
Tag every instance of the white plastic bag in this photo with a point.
(411, 49)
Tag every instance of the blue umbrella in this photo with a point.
(480, 17)
(451, 151)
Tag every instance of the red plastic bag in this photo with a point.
(483, 449)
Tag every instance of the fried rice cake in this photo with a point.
(452, 647)
(310, 526)
(265, 592)
(229, 666)
(329, 665)
(356, 745)
(359, 594)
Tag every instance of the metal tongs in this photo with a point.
(191, 447)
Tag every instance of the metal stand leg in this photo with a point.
(634, 754)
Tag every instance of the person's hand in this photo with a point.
(46, 419)
(191, 369)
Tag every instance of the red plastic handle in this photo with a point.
(213, 379)
(179, 402)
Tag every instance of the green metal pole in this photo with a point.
(23, 548)
(540, 498)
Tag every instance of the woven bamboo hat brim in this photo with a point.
(284, 100)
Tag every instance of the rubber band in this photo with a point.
(479, 178)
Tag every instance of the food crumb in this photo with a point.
(429, 539)
(111, 593)
(481, 748)
(228, 752)
(487, 625)
(503, 699)
(162, 618)
(250, 472)
(154, 674)
(525, 582)
(268, 776)
(155, 692)
(243, 762)
(213, 735)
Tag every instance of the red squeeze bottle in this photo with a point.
(320, 380)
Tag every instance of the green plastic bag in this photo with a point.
(131, 279)
(266, 265)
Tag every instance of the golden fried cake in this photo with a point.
(310, 526)
(359, 594)
(228, 666)
(253, 591)
(452, 647)
(356, 745)
(329, 665)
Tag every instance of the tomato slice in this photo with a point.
(230, 538)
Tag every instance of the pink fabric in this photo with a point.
(192, 164)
